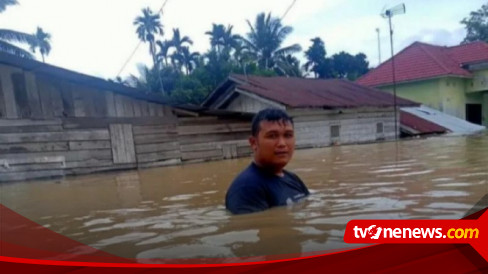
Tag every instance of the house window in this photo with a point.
(335, 131)
(379, 128)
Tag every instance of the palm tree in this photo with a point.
(177, 41)
(42, 42)
(216, 36)
(265, 38)
(231, 40)
(220, 36)
(148, 25)
(8, 36)
(5, 3)
(288, 66)
(187, 59)
(164, 47)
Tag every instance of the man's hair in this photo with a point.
(271, 115)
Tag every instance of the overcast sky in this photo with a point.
(97, 36)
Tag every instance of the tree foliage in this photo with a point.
(148, 26)
(9, 37)
(349, 66)
(340, 65)
(265, 40)
(42, 42)
(476, 25)
(189, 76)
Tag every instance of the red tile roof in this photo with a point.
(304, 92)
(469, 53)
(419, 125)
(423, 61)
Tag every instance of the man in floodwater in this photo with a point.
(264, 183)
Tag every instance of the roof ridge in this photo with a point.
(389, 60)
(470, 43)
(436, 60)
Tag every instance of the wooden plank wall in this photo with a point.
(26, 95)
(123, 151)
(211, 138)
(52, 127)
(64, 146)
(157, 144)
(44, 148)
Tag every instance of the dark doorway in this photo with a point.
(473, 113)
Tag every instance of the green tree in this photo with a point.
(178, 42)
(288, 66)
(349, 66)
(189, 90)
(231, 40)
(149, 25)
(163, 52)
(315, 55)
(152, 79)
(7, 37)
(216, 36)
(187, 59)
(42, 42)
(476, 25)
(5, 3)
(223, 41)
(265, 39)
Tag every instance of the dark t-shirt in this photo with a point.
(255, 189)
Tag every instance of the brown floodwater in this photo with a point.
(178, 212)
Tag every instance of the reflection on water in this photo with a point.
(178, 212)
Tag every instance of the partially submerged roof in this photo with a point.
(305, 92)
(455, 125)
(76, 77)
(415, 125)
(421, 61)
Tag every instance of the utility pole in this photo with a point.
(399, 9)
(379, 46)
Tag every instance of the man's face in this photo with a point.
(274, 145)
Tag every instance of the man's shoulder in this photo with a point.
(249, 176)
(247, 192)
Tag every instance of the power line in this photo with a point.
(288, 9)
(128, 59)
(139, 44)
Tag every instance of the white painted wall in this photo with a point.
(314, 131)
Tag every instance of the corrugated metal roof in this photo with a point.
(304, 92)
(79, 78)
(417, 125)
(423, 61)
(455, 125)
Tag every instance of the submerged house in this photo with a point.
(56, 122)
(453, 80)
(325, 112)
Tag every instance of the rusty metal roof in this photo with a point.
(79, 78)
(305, 92)
(416, 125)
